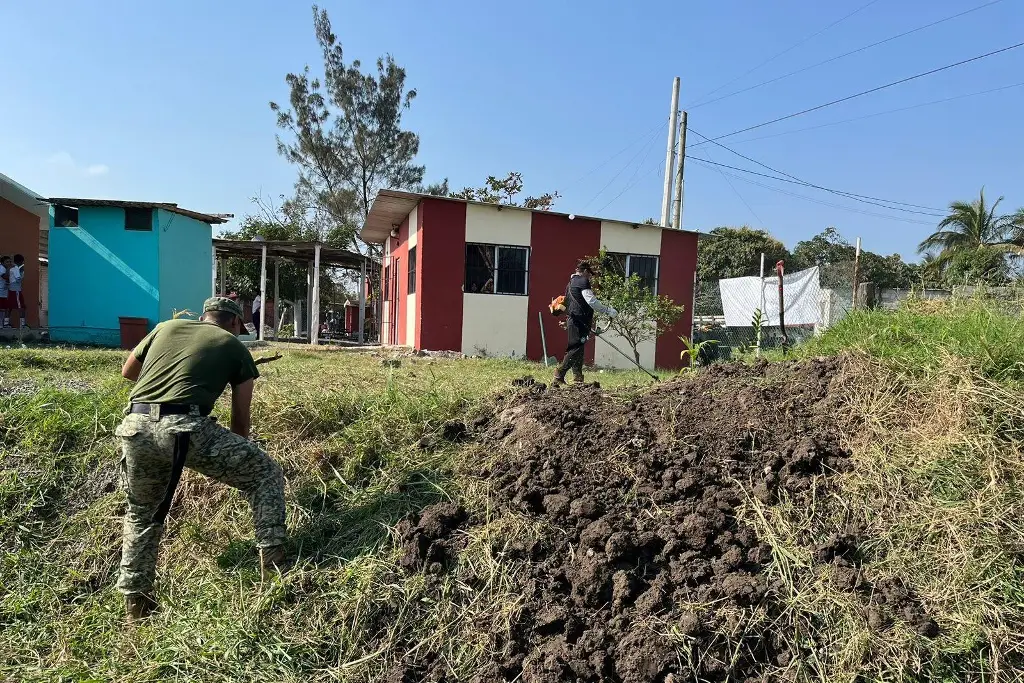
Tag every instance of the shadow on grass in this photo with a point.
(342, 525)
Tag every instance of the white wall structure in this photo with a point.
(490, 225)
(623, 238)
(410, 305)
(493, 324)
(607, 357)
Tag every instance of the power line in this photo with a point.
(868, 116)
(646, 146)
(737, 193)
(629, 186)
(871, 90)
(787, 50)
(798, 182)
(868, 199)
(847, 54)
(819, 201)
(605, 162)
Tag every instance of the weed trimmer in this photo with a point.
(598, 333)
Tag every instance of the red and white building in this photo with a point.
(472, 277)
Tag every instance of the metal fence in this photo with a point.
(754, 324)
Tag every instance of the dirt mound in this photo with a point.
(648, 572)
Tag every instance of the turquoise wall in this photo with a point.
(186, 263)
(99, 272)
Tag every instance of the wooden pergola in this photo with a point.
(314, 254)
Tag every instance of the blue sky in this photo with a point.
(168, 102)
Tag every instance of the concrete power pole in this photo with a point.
(677, 202)
(666, 200)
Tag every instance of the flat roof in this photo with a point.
(291, 250)
(211, 218)
(390, 208)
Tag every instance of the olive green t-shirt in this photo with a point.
(190, 362)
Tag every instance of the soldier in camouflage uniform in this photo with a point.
(180, 370)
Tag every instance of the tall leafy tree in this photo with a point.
(344, 134)
(834, 257)
(736, 252)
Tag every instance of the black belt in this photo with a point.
(166, 409)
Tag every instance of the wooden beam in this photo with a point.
(361, 335)
(277, 292)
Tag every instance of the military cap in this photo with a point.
(222, 303)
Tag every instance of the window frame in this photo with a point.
(411, 285)
(137, 212)
(496, 269)
(629, 266)
(71, 211)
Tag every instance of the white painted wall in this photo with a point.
(623, 238)
(607, 357)
(489, 225)
(494, 324)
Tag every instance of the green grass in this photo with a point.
(345, 428)
(935, 392)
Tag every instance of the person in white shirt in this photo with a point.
(5, 279)
(257, 309)
(15, 299)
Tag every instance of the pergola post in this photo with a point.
(277, 292)
(314, 311)
(213, 284)
(223, 277)
(362, 302)
(309, 301)
(263, 292)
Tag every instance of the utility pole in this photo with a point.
(666, 200)
(677, 201)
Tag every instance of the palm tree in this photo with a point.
(972, 226)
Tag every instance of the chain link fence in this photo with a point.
(747, 320)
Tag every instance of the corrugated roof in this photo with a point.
(211, 218)
(390, 208)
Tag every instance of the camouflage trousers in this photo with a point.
(148, 448)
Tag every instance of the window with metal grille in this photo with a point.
(497, 269)
(412, 270)
(138, 219)
(644, 267)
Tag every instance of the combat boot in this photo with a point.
(577, 378)
(558, 380)
(139, 606)
(272, 561)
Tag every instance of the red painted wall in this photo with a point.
(556, 246)
(675, 280)
(19, 234)
(441, 253)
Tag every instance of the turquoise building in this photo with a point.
(115, 260)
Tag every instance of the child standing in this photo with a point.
(15, 299)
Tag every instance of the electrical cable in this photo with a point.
(646, 147)
(868, 199)
(847, 54)
(804, 184)
(871, 90)
(818, 201)
(787, 50)
(868, 116)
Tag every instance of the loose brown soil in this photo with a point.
(648, 572)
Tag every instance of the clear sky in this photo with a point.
(167, 101)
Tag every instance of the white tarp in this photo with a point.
(741, 296)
